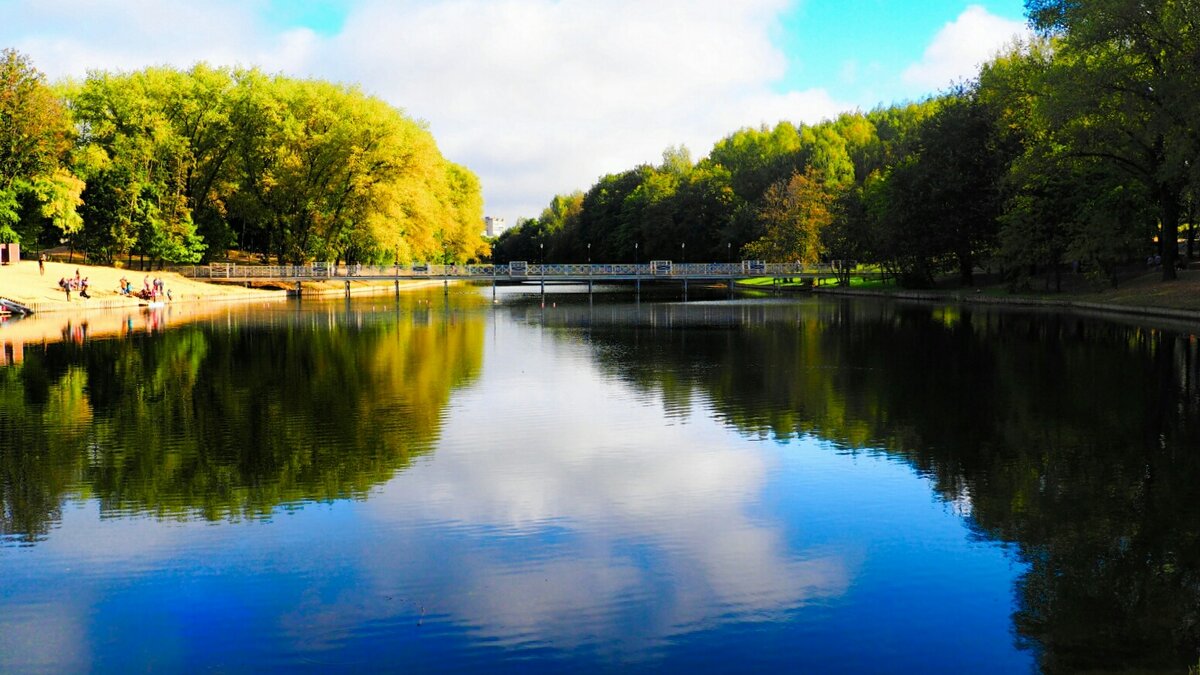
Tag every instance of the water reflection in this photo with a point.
(611, 487)
(230, 416)
(596, 492)
(1075, 439)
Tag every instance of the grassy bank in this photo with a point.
(1142, 293)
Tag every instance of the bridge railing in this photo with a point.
(548, 270)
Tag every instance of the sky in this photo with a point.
(543, 97)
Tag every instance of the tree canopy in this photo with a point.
(176, 166)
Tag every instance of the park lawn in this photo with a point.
(1143, 290)
(855, 282)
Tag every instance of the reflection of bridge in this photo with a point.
(516, 272)
(519, 273)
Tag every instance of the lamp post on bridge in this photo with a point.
(637, 274)
(683, 266)
(729, 264)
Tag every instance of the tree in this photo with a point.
(34, 138)
(794, 214)
(943, 196)
(848, 236)
(1123, 89)
(757, 158)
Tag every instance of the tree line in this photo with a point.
(1073, 150)
(177, 166)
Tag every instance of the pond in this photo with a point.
(598, 483)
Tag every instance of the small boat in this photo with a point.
(11, 307)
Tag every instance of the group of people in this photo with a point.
(76, 283)
(151, 290)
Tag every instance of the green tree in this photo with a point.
(35, 136)
(848, 236)
(1123, 89)
(127, 134)
(944, 197)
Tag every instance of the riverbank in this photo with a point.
(1144, 295)
(24, 284)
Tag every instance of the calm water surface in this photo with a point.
(453, 484)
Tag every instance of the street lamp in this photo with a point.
(589, 253)
(683, 252)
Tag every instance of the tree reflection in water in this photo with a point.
(1076, 440)
(1071, 439)
(228, 419)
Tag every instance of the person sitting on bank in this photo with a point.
(83, 286)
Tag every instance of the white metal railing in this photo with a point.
(526, 271)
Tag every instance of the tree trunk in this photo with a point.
(966, 269)
(1191, 235)
(1168, 207)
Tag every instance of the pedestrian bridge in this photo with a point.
(514, 272)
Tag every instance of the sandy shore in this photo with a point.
(23, 283)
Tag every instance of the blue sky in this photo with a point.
(857, 47)
(541, 97)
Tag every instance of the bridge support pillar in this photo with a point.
(397, 289)
(299, 290)
(347, 289)
(685, 289)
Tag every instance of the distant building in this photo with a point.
(494, 227)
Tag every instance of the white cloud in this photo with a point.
(542, 97)
(611, 477)
(961, 46)
(537, 96)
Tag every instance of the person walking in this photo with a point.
(42, 264)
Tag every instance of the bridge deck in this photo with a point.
(665, 271)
